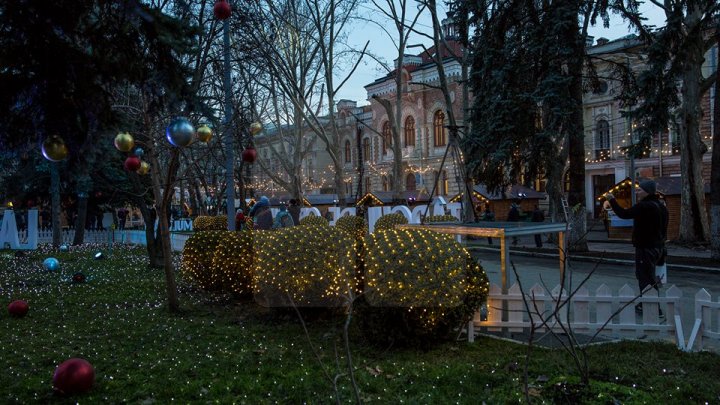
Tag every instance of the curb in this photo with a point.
(593, 259)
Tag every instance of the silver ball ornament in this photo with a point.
(180, 132)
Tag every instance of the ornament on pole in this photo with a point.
(124, 142)
(249, 155)
(255, 128)
(144, 168)
(222, 10)
(180, 132)
(132, 163)
(204, 133)
(54, 149)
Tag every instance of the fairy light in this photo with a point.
(369, 197)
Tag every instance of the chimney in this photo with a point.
(589, 41)
(602, 41)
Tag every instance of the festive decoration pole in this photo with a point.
(228, 140)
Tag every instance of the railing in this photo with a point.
(137, 237)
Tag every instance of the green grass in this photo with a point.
(220, 350)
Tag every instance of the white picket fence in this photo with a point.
(136, 237)
(707, 320)
(587, 313)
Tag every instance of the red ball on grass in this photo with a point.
(73, 376)
(18, 308)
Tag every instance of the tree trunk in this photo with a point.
(715, 165)
(162, 198)
(576, 137)
(694, 225)
(56, 208)
(82, 205)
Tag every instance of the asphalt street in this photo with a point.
(532, 270)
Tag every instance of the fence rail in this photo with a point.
(137, 237)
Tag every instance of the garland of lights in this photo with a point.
(210, 223)
(389, 221)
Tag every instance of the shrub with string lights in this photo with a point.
(197, 260)
(308, 266)
(314, 220)
(440, 218)
(389, 221)
(357, 228)
(420, 286)
(208, 223)
(233, 260)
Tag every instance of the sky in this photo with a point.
(381, 45)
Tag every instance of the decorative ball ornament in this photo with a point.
(51, 264)
(144, 168)
(54, 149)
(78, 278)
(74, 376)
(18, 308)
(204, 133)
(139, 152)
(64, 248)
(249, 155)
(222, 10)
(255, 128)
(124, 142)
(132, 163)
(180, 132)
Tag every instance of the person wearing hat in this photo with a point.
(650, 222)
(261, 214)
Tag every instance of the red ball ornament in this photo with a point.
(18, 308)
(222, 10)
(73, 376)
(249, 155)
(132, 163)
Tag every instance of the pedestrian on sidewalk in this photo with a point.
(490, 217)
(538, 216)
(514, 216)
(650, 222)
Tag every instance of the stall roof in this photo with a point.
(668, 185)
(386, 197)
(517, 191)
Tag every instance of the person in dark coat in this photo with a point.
(490, 217)
(514, 216)
(261, 214)
(294, 210)
(650, 222)
(538, 216)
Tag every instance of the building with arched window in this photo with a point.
(409, 131)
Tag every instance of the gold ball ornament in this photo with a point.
(144, 168)
(255, 128)
(124, 142)
(204, 133)
(54, 149)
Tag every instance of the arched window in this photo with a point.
(410, 131)
(602, 139)
(366, 149)
(384, 183)
(348, 154)
(439, 128)
(410, 184)
(386, 137)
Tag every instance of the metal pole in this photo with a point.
(227, 138)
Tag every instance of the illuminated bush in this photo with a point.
(197, 260)
(389, 221)
(357, 228)
(207, 223)
(312, 264)
(232, 261)
(420, 287)
(440, 218)
(314, 220)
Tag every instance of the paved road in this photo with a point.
(537, 270)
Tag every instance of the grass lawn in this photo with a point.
(219, 350)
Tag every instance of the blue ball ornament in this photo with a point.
(51, 264)
(64, 248)
(139, 152)
(180, 132)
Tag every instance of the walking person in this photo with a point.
(261, 214)
(514, 216)
(650, 222)
(490, 217)
(538, 216)
(294, 211)
(283, 218)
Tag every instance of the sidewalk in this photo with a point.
(610, 251)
